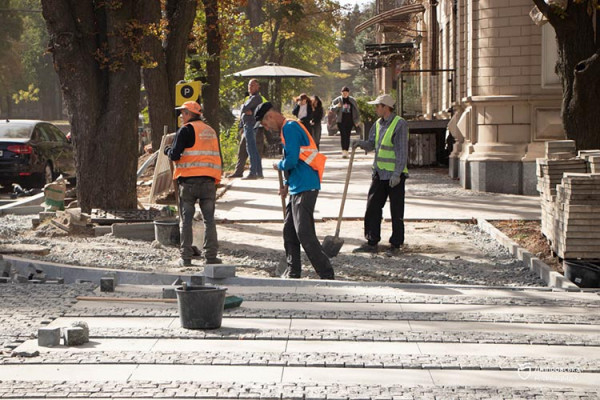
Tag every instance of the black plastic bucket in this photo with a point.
(585, 274)
(166, 232)
(200, 307)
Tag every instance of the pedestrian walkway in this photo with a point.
(312, 341)
(430, 194)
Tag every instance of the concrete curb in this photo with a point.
(552, 278)
(72, 273)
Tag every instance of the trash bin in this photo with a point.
(166, 232)
(200, 307)
(585, 274)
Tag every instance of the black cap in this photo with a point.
(261, 110)
(345, 89)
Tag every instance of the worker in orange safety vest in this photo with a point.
(197, 158)
(303, 165)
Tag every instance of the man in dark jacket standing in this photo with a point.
(347, 117)
(253, 100)
(389, 138)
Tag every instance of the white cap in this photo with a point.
(384, 99)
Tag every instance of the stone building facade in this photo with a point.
(507, 98)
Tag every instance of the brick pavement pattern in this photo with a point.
(28, 307)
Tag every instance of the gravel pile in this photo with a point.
(436, 252)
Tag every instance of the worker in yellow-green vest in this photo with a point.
(389, 138)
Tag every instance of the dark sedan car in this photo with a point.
(33, 153)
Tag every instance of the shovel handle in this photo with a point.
(280, 176)
(339, 222)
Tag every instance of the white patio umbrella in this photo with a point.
(272, 70)
(276, 72)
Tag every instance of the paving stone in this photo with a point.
(75, 336)
(48, 337)
(219, 271)
(107, 284)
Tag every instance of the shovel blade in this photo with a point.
(332, 245)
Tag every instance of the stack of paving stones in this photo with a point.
(335, 307)
(560, 158)
(569, 187)
(26, 308)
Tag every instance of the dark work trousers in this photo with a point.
(345, 130)
(378, 195)
(242, 155)
(299, 229)
(317, 133)
(203, 190)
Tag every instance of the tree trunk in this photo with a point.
(578, 68)
(170, 57)
(210, 92)
(255, 15)
(102, 98)
(161, 100)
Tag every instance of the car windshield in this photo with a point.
(15, 131)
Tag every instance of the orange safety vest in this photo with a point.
(309, 154)
(203, 158)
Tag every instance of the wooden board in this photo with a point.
(162, 182)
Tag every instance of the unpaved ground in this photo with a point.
(436, 252)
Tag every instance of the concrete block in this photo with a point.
(498, 114)
(134, 231)
(219, 271)
(488, 133)
(197, 279)
(75, 336)
(107, 284)
(514, 133)
(48, 337)
(4, 279)
(169, 293)
(18, 278)
(102, 230)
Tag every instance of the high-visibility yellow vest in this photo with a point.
(309, 154)
(386, 156)
(264, 100)
(203, 158)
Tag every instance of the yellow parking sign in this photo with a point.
(187, 91)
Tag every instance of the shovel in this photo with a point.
(333, 244)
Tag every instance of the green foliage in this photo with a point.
(229, 146)
(30, 95)
(11, 29)
(366, 111)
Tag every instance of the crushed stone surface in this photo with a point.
(437, 252)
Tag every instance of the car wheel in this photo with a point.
(48, 173)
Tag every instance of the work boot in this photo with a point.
(344, 153)
(235, 175)
(214, 260)
(290, 274)
(184, 262)
(366, 248)
(197, 253)
(251, 177)
(394, 250)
